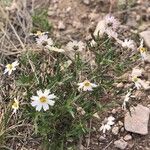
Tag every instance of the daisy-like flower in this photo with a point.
(15, 105)
(126, 100)
(137, 72)
(111, 22)
(75, 46)
(128, 44)
(108, 25)
(139, 83)
(44, 40)
(11, 67)
(144, 53)
(86, 86)
(107, 123)
(43, 100)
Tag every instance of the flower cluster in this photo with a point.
(139, 83)
(42, 39)
(44, 99)
(108, 25)
(107, 123)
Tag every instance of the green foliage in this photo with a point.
(62, 125)
(40, 21)
(63, 121)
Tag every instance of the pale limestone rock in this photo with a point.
(138, 121)
(121, 144)
(146, 36)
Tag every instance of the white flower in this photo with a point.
(44, 40)
(111, 22)
(110, 120)
(137, 72)
(108, 25)
(105, 127)
(139, 83)
(43, 100)
(128, 44)
(144, 53)
(11, 67)
(75, 46)
(126, 100)
(107, 123)
(15, 105)
(86, 86)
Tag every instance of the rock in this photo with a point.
(120, 85)
(121, 144)
(86, 2)
(115, 130)
(61, 25)
(77, 24)
(122, 129)
(102, 139)
(146, 36)
(128, 137)
(114, 111)
(51, 13)
(138, 121)
(120, 123)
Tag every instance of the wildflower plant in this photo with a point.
(52, 82)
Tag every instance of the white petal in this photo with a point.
(14, 64)
(5, 71)
(46, 92)
(36, 98)
(39, 93)
(34, 103)
(93, 85)
(108, 127)
(80, 84)
(85, 88)
(39, 107)
(51, 96)
(102, 127)
(45, 106)
(51, 103)
(9, 72)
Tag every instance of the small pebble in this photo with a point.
(121, 144)
(120, 123)
(114, 111)
(87, 2)
(102, 139)
(61, 25)
(120, 85)
(115, 130)
(128, 137)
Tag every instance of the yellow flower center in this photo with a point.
(38, 33)
(43, 99)
(10, 66)
(87, 84)
(143, 49)
(135, 79)
(15, 105)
